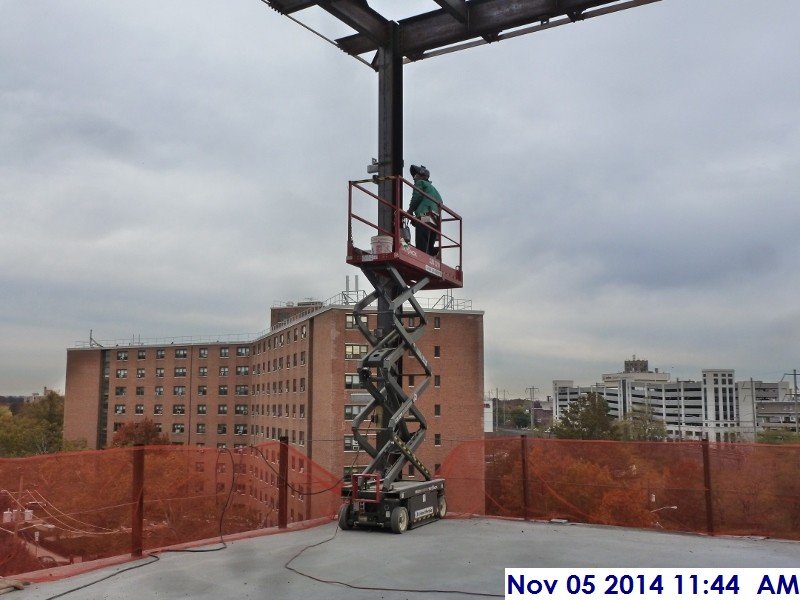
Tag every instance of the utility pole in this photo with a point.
(753, 399)
(532, 391)
(796, 424)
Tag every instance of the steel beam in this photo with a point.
(288, 7)
(358, 15)
(456, 8)
(487, 18)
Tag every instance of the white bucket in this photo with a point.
(381, 244)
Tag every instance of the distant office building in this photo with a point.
(768, 406)
(298, 379)
(715, 406)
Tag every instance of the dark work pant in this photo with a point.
(424, 239)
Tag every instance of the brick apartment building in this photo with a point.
(298, 379)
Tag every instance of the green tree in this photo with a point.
(587, 418)
(641, 425)
(520, 417)
(778, 436)
(36, 429)
(141, 432)
(45, 422)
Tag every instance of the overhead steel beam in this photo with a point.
(355, 13)
(456, 8)
(487, 19)
(358, 15)
(288, 7)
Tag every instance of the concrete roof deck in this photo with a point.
(454, 555)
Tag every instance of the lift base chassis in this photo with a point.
(406, 505)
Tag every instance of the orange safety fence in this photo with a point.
(713, 488)
(80, 506)
(74, 507)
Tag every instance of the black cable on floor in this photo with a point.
(287, 565)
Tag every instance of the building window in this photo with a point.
(122, 373)
(222, 409)
(119, 409)
(295, 334)
(437, 410)
(302, 411)
(122, 355)
(240, 409)
(159, 390)
(351, 411)
(410, 381)
(242, 350)
(302, 384)
(355, 350)
(437, 439)
(203, 352)
(303, 331)
(224, 352)
(120, 391)
(179, 390)
(139, 373)
(118, 426)
(177, 428)
(201, 428)
(303, 357)
(202, 390)
(202, 409)
(350, 322)
(178, 409)
(138, 409)
(351, 381)
(161, 353)
(203, 371)
(157, 427)
(141, 354)
(243, 370)
(223, 371)
(222, 428)
(242, 390)
(302, 442)
(223, 390)
(437, 351)
(294, 359)
(240, 429)
(180, 371)
(350, 444)
(159, 372)
(437, 322)
(140, 390)
(181, 353)
(158, 409)
(437, 381)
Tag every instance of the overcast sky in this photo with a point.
(629, 184)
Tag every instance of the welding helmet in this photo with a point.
(420, 172)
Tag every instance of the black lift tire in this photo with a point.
(344, 517)
(399, 519)
(442, 512)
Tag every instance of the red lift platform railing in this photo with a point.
(387, 246)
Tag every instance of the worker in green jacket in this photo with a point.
(425, 205)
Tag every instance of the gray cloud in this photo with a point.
(628, 183)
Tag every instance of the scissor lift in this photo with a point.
(378, 497)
